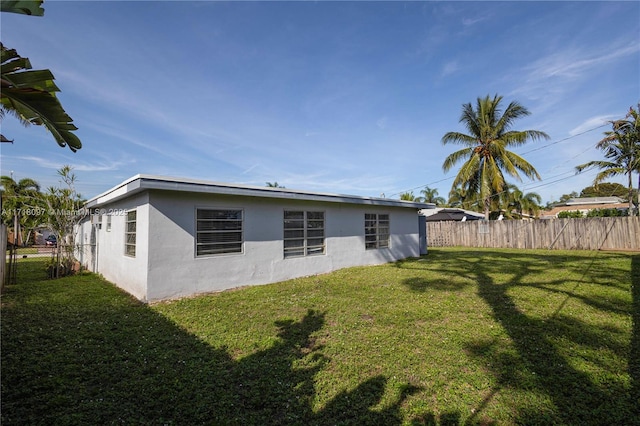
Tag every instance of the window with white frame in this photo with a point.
(130, 234)
(376, 230)
(218, 231)
(303, 233)
(108, 223)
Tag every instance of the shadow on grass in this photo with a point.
(538, 365)
(79, 352)
(634, 350)
(420, 284)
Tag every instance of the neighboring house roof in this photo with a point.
(582, 207)
(144, 182)
(591, 200)
(440, 214)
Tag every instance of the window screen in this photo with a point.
(303, 233)
(218, 232)
(376, 230)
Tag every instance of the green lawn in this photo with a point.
(460, 336)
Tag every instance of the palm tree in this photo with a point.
(431, 196)
(521, 202)
(458, 198)
(20, 202)
(485, 153)
(273, 185)
(407, 196)
(30, 95)
(621, 147)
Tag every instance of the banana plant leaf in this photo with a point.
(31, 96)
(25, 7)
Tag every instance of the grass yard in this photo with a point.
(460, 336)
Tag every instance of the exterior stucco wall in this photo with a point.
(175, 271)
(103, 251)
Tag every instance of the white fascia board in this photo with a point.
(125, 188)
(147, 182)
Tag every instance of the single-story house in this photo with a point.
(450, 214)
(585, 205)
(161, 238)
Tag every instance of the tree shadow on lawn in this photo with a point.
(90, 354)
(539, 365)
(634, 350)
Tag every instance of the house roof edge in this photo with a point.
(141, 182)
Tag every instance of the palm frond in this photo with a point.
(609, 173)
(453, 158)
(470, 119)
(518, 138)
(513, 111)
(522, 165)
(459, 139)
(467, 175)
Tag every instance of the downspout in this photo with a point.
(80, 245)
(97, 246)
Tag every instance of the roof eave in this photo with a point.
(140, 183)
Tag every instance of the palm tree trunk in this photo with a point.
(17, 239)
(487, 207)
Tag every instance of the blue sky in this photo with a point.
(343, 97)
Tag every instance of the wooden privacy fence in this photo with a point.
(598, 233)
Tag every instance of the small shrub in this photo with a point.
(607, 213)
(61, 267)
(570, 215)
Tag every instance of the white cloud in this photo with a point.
(472, 21)
(99, 166)
(568, 65)
(549, 79)
(573, 64)
(590, 124)
(250, 169)
(450, 68)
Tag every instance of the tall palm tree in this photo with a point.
(621, 147)
(485, 154)
(18, 198)
(430, 195)
(30, 95)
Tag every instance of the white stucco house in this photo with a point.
(161, 238)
